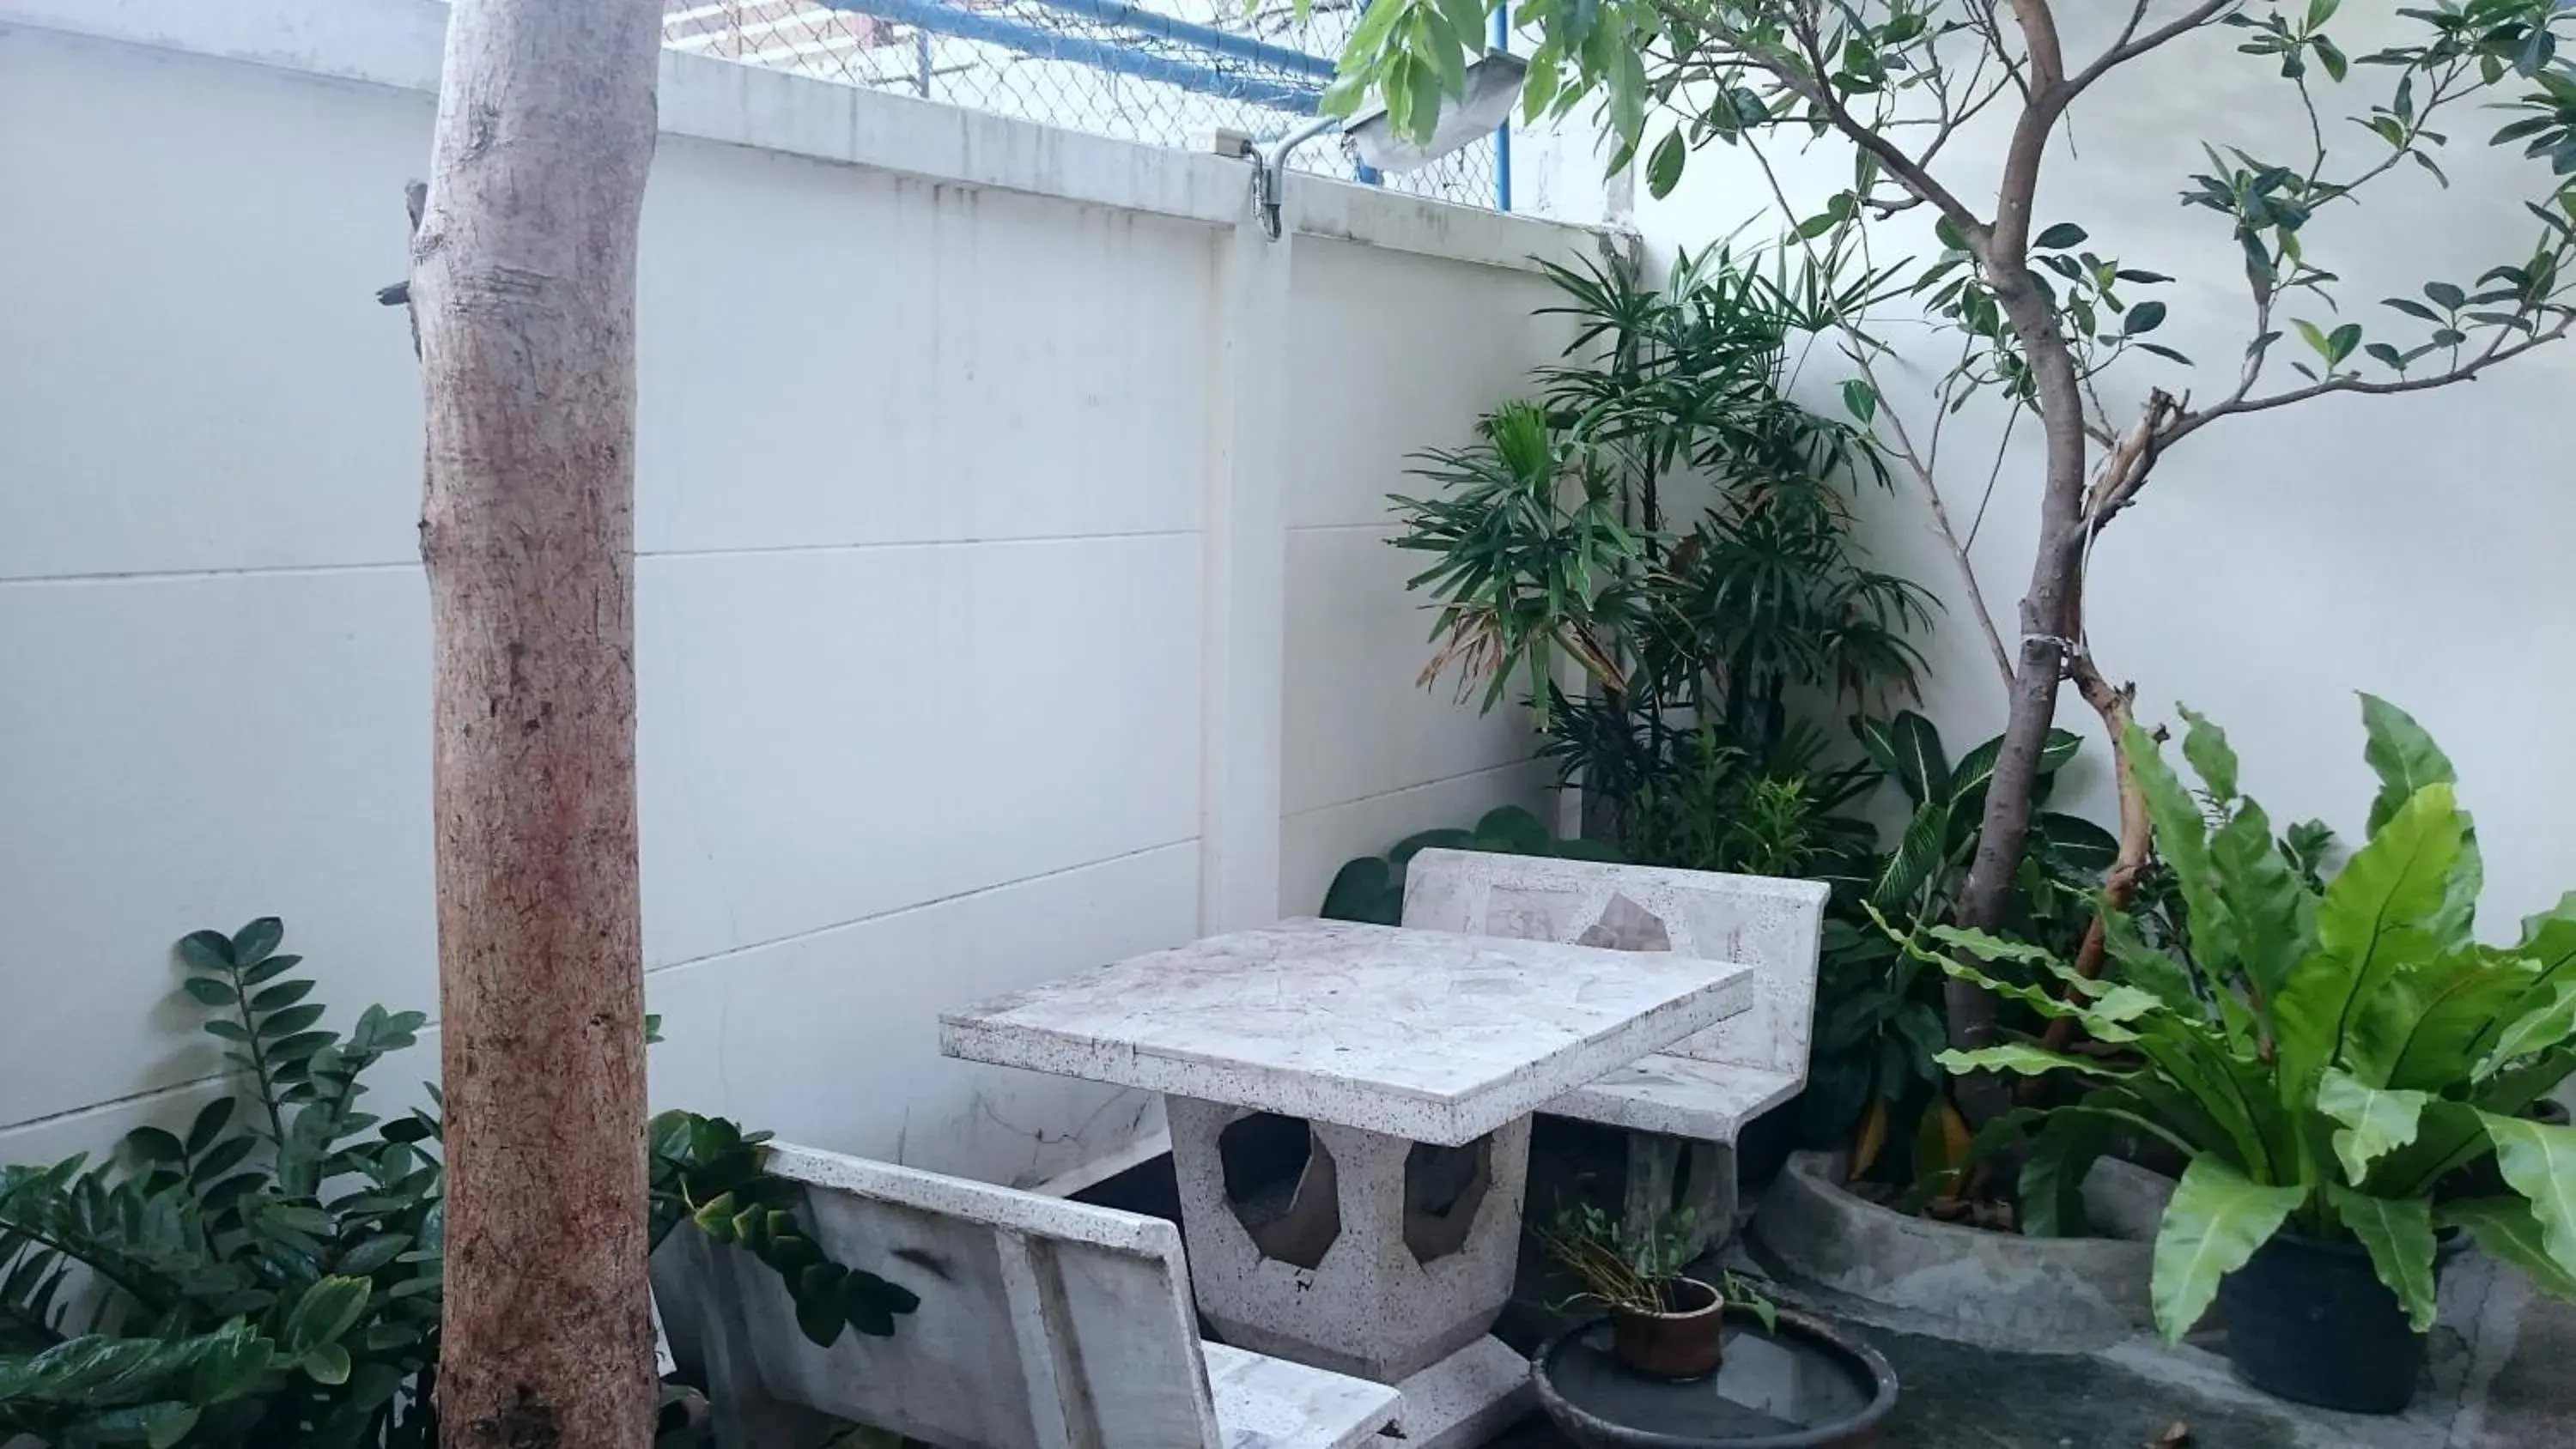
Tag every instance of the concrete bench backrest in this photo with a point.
(1770, 925)
(1044, 1323)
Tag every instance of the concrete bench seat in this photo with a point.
(1044, 1324)
(1680, 1097)
(1683, 1106)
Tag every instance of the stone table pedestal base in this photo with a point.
(1360, 1252)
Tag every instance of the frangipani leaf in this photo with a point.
(2217, 1219)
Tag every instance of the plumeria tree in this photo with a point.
(1919, 96)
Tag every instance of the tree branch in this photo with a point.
(2191, 423)
(2131, 44)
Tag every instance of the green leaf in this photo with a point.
(1919, 857)
(2539, 1028)
(2506, 1231)
(253, 943)
(326, 1311)
(208, 951)
(2059, 237)
(1364, 890)
(153, 1145)
(373, 1254)
(2337, 65)
(210, 991)
(2268, 905)
(2205, 747)
(288, 1022)
(2398, 1234)
(2427, 1030)
(1860, 400)
(2538, 1160)
(2370, 928)
(2216, 1220)
(281, 996)
(1986, 946)
(209, 1124)
(2375, 1121)
(2405, 758)
(2182, 838)
(1664, 164)
(328, 1364)
(2143, 318)
(2022, 1059)
(2052, 1178)
(1908, 747)
(2083, 849)
(1467, 18)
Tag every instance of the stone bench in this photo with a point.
(1683, 1106)
(1044, 1324)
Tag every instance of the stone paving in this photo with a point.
(2502, 1376)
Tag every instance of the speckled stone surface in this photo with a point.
(1464, 1400)
(1770, 925)
(1423, 1035)
(1680, 1097)
(1369, 1307)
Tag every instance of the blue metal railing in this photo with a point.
(1196, 36)
(1029, 40)
(1294, 85)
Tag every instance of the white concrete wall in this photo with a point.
(2412, 546)
(945, 486)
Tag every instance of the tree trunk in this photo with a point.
(523, 286)
(2046, 626)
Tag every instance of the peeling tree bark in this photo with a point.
(523, 291)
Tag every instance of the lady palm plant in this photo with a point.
(2325, 1050)
(1551, 541)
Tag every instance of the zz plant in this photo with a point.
(2325, 1050)
(270, 1276)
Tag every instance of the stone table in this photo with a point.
(1350, 1110)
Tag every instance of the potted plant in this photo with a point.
(1664, 1324)
(2323, 1050)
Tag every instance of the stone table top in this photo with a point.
(1426, 1035)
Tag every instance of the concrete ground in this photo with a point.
(2502, 1376)
(2502, 1373)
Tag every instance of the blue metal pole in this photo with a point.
(1029, 40)
(1200, 37)
(1503, 132)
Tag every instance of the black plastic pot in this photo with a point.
(2310, 1321)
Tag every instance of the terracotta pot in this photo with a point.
(1678, 1344)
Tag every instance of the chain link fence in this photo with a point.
(1155, 71)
